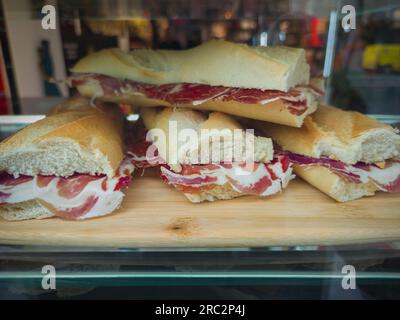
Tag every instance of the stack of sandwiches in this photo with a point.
(207, 87)
(75, 161)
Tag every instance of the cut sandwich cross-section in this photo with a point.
(344, 154)
(71, 164)
(266, 174)
(80, 196)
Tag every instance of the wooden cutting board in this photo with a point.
(156, 215)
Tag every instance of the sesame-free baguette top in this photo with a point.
(215, 63)
(347, 136)
(74, 138)
(218, 124)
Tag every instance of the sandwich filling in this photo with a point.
(296, 99)
(385, 178)
(260, 179)
(76, 197)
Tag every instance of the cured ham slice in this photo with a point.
(260, 179)
(76, 197)
(140, 159)
(386, 178)
(189, 93)
(70, 187)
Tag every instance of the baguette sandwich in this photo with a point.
(264, 83)
(206, 171)
(346, 155)
(70, 164)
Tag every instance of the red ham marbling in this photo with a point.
(359, 172)
(189, 93)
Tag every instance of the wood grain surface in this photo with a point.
(156, 215)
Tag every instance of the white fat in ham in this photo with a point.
(76, 197)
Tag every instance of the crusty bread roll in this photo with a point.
(224, 192)
(215, 63)
(333, 185)
(341, 135)
(223, 125)
(74, 138)
(26, 210)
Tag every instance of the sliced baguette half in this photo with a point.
(215, 63)
(347, 136)
(74, 138)
(221, 127)
(333, 185)
(26, 210)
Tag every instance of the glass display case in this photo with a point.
(361, 67)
